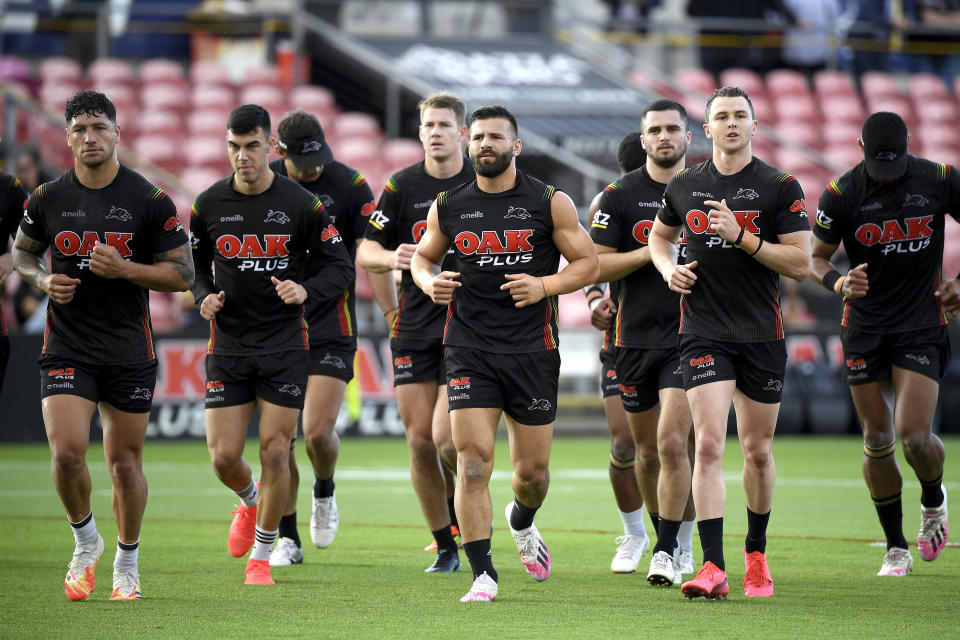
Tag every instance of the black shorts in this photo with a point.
(4, 358)
(524, 385)
(128, 387)
(867, 357)
(609, 384)
(419, 365)
(758, 367)
(333, 359)
(278, 378)
(643, 372)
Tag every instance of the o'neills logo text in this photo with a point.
(513, 247)
(266, 254)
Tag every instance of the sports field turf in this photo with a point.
(370, 583)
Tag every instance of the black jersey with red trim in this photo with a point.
(108, 320)
(494, 234)
(248, 239)
(348, 202)
(898, 230)
(648, 312)
(13, 201)
(401, 218)
(735, 297)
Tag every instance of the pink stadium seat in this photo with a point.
(61, 69)
(198, 179)
(401, 152)
(796, 108)
(356, 124)
(695, 80)
(54, 96)
(262, 75)
(805, 134)
(813, 183)
(213, 96)
(875, 84)
(843, 108)
(747, 79)
(936, 110)
(209, 72)
(786, 82)
(160, 149)
(936, 135)
(897, 104)
(159, 123)
(161, 70)
(844, 156)
(208, 151)
(796, 162)
(118, 93)
(317, 100)
(946, 155)
(923, 86)
(362, 154)
(830, 82)
(763, 109)
(111, 71)
(207, 122)
(165, 96)
(271, 98)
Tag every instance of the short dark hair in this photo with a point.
(298, 124)
(496, 111)
(445, 100)
(630, 154)
(247, 118)
(667, 105)
(89, 103)
(729, 92)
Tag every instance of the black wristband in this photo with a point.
(757, 250)
(739, 239)
(830, 279)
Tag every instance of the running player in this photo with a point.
(508, 230)
(306, 158)
(647, 361)
(889, 212)
(745, 224)
(256, 228)
(416, 324)
(13, 199)
(113, 235)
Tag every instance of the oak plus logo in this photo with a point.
(909, 235)
(268, 253)
(119, 213)
(277, 216)
(61, 378)
(495, 248)
(702, 362)
(403, 362)
(641, 231)
(81, 244)
(698, 222)
(459, 384)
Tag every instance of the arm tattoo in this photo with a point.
(27, 259)
(181, 260)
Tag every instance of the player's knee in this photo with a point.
(472, 467)
(758, 454)
(915, 442)
(672, 450)
(709, 450)
(124, 471)
(320, 440)
(422, 450)
(532, 474)
(222, 463)
(622, 447)
(448, 455)
(67, 460)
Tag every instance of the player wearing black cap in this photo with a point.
(306, 158)
(256, 228)
(13, 199)
(889, 213)
(508, 230)
(416, 324)
(112, 236)
(745, 224)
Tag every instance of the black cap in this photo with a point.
(884, 136)
(309, 152)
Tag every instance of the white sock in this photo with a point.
(633, 523)
(85, 532)
(249, 495)
(127, 559)
(263, 544)
(685, 535)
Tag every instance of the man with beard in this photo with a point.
(731, 331)
(508, 230)
(647, 361)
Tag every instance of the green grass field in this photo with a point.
(370, 583)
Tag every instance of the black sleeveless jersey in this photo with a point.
(648, 312)
(735, 298)
(494, 234)
(897, 229)
(248, 239)
(13, 201)
(348, 202)
(401, 218)
(108, 320)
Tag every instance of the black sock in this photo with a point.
(453, 513)
(931, 493)
(478, 553)
(655, 519)
(521, 517)
(288, 528)
(444, 539)
(711, 541)
(756, 531)
(323, 488)
(890, 511)
(667, 531)
(128, 546)
(82, 523)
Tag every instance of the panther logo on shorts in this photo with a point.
(773, 385)
(919, 357)
(292, 389)
(334, 361)
(141, 393)
(540, 405)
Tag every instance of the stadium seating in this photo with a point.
(111, 71)
(162, 70)
(59, 69)
(786, 82)
(747, 79)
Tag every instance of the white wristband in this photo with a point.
(593, 303)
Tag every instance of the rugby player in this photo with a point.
(13, 198)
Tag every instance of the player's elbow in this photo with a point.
(801, 270)
(593, 270)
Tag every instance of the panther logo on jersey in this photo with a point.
(541, 404)
(517, 212)
(277, 216)
(292, 389)
(749, 194)
(119, 213)
(326, 200)
(915, 200)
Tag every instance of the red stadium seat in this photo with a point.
(165, 96)
(897, 104)
(843, 108)
(111, 71)
(796, 108)
(162, 150)
(317, 100)
(158, 123)
(54, 96)
(356, 124)
(401, 152)
(830, 82)
(876, 84)
(936, 135)
(262, 75)
(162, 70)
(800, 133)
(207, 122)
(763, 109)
(763, 147)
(844, 156)
(925, 86)
(362, 154)
(936, 110)
(697, 80)
(797, 162)
(213, 96)
(813, 183)
(747, 79)
(60, 69)
(209, 152)
(198, 179)
(946, 155)
(271, 98)
(786, 82)
(207, 72)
